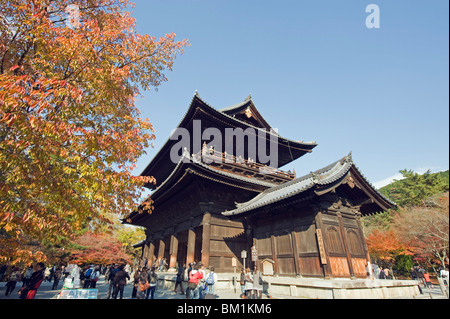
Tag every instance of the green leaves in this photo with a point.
(414, 189)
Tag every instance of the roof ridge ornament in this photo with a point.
(248, 98)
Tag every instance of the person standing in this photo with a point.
(194, 277)
(188, 293)
(242, 283)
(152, 280)
(143, 284)
(210, 282)
(248, 284)
(30, 287)
(201, 281)
(180, 279)
(257, 283)
(120, 281)
(136, 285)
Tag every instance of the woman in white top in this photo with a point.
(248, 283)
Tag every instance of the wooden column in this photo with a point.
(190, 247)
(151, 254)
(206, 237)
(345, 242)
(319, 225)
(173, 251)
(144, 254)
(161, 249)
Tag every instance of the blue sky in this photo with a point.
(315, 72)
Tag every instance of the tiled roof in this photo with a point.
(324, 176)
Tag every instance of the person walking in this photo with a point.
(120, 281)
(14, 277)
(444, 275)
(111, 275)
(87, 277)
(180, 279)
(428, 283)
(30, 287)
(95, 276)
(57, 273)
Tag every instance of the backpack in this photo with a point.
(88, 272)
(210, 279)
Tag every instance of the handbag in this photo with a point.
(192, 285)
(144, 286)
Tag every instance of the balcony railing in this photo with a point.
(246, 167)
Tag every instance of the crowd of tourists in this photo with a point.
(200, 285)
(72, 275)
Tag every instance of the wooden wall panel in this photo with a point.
(264, 246)
(306, 239)
(359, 267)
(334, 240)
(214, 261)
(339, 267)
(286, 266)
(355, 244)
(310, 266)
(283, 244)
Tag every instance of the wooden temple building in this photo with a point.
(211, 211)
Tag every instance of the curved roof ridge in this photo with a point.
(324, 176)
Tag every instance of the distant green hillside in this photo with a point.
(415, 188)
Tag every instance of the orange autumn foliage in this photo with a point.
(70, 133)
(384, 245)
(99, 249)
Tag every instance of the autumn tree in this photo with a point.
(70, 132)
(426, 229)
(91, 248)
(384, 246)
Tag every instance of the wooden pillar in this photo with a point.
(319, 225)
(190, 247)
(345, 244)
(173, 251)
(144, 256)
(151, 254)
(161, 249)
(295, 252)
(206, 237)
(361, 235)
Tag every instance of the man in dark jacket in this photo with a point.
(120, 280)
(111, 274)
